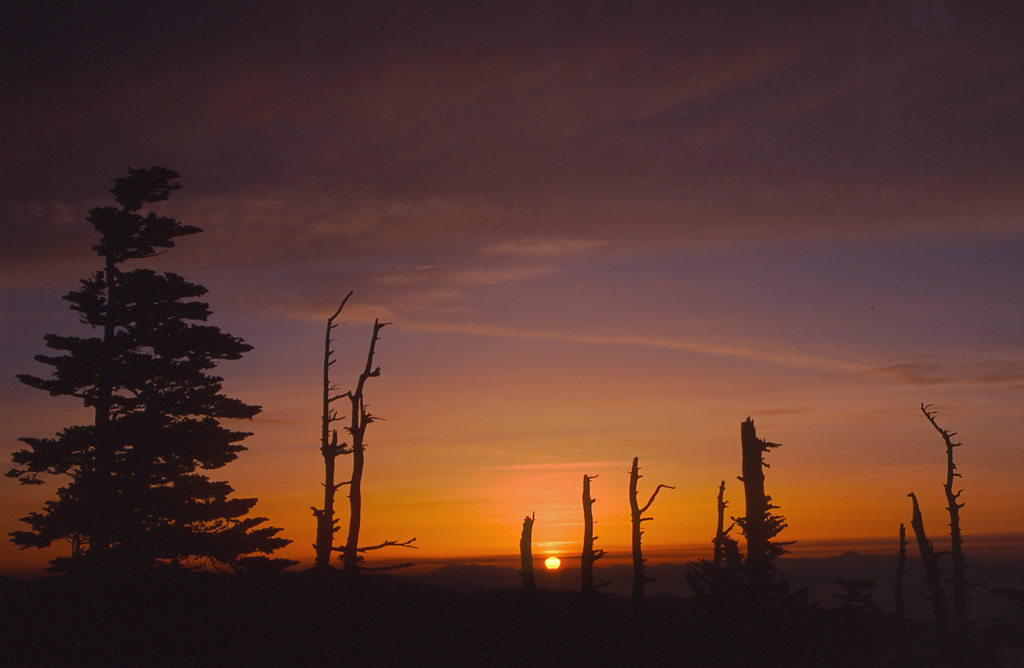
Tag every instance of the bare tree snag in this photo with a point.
(933, 577)
(956, 539)
(640, 579)
(759, 525)
(360, 419)
(526, 552)
(901, 567)
(351, 553)
(720, 574)
(590, 555)
(722, 538)
(326, 524)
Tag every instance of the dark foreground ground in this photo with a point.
(178, 619)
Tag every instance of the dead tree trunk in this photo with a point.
(933, 577)
(361, 418)
(901, 567)
(640, 579)
(326, 524)
(954, 506)
(717, 578)
(526, 553)
(722, 534)
(590, 555)
(759, 525)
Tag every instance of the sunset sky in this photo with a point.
(601, 230)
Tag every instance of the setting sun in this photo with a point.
(552, 563)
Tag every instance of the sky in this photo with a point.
(600, 230)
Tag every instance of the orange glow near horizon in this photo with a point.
(598, 235)
(460, 474)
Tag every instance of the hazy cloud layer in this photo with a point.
(368, 128)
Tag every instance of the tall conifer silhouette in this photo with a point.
(134, 494)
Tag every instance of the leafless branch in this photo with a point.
(391, 543)
(651, 500)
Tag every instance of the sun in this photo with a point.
(552, 563)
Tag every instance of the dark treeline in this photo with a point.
(147, 529)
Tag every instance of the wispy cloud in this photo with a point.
(982, 369)
(464, 276)
(922, 372)
(784, 411)
(560, 466)
(539, 247)
(495, 275)
(769, 354)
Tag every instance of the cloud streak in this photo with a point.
(541, 247)
(751, 352)
(1006, 369)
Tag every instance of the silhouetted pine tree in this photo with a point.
(134, 495)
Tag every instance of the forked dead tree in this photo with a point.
(351, 553)
(526, 552)
(326, 524)
(956, 539)
(640, 579)
(590, 555)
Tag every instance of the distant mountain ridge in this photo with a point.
(817, 574)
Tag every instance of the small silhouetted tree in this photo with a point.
(726, 547)
(640, 578)
(135, 495)
(330, 449)
(759, 525)
(857, 594)
(360, 419)
(719, 576)
(589, 555)
(526, 553)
